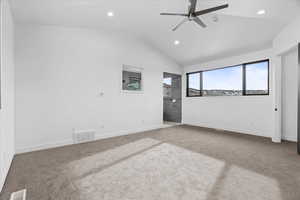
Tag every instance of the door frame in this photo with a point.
(181, 91)
(298, 120)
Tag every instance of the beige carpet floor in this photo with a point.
(177, 163)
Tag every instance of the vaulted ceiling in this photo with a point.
(238, 29)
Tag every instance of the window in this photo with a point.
(193, 84)
(131, 79)
(168, 81)
(244, 79)
(257, 78)
(168, 87)
(223, 82)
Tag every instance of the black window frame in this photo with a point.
(244, 78)
(187, 84)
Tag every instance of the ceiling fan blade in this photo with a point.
(202, 12)
(199, 21)
(174, 14)
(182, 22)
(192, 7)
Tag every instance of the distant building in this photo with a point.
(195, 92)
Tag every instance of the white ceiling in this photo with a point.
(238, 30)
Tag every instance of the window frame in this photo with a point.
(187, 83)
(244, 76)
(130, 68)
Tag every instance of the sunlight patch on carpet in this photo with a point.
(162, 172)
(241, 183)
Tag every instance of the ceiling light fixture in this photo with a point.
(176, 42)
(261, 12)
(110, 14)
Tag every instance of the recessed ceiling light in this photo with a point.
(176, 42)
(110, 14)
(261, 12)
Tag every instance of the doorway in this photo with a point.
(290, 96)
(298, 130)
(172, 92)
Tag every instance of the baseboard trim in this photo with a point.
(229, 130)
(44, 146)
(290, 139)
(97, 137)
(125, 132)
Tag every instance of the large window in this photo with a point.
(223, 82)
(244, 79)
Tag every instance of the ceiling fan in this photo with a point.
(192, 14)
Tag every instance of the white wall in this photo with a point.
(245, 114)
(7, 119)
(289, 95)
(288, 37)
(60, 73)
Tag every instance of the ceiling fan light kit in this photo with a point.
(193, 15)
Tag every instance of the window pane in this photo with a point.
(257, 78)
(168, 87)
(168, 81)
(132, 81)
(223, 82)
(194, 84)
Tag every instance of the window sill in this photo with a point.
(132, 92)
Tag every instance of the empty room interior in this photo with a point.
(150, 100)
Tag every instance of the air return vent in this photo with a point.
(83, 136)
(19, 195)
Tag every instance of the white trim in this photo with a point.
(277, 99)
(44, 146)
(132, 68)
(290, 139)
(97, 137)
(232, 130)
(126, 132)
(1, 52)
(6, 170)
(132, 92)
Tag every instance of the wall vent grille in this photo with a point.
(83, 136)
(19, 195)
